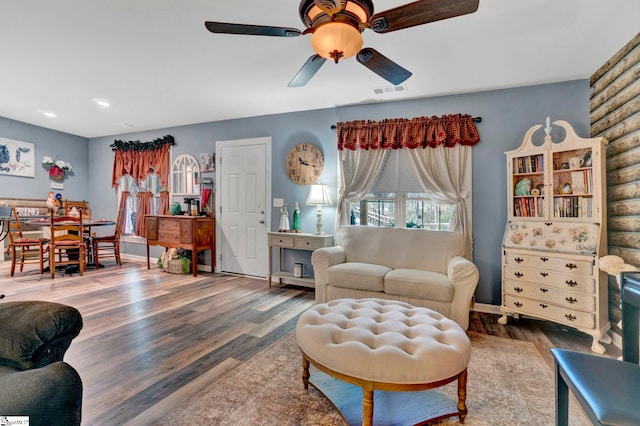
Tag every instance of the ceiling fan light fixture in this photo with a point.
(358, 10)
(336, 40)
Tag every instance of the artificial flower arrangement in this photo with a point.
(57, 168)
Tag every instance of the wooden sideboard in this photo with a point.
(193, 233)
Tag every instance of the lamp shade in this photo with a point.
(336, 40)
(318, 195)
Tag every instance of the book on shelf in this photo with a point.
(573, 207)
(528, 164)
(578, 182)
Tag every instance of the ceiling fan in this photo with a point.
(336, 26)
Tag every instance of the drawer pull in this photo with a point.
(571, 266)
(544, 274)
(570, 317)
(544, 259)
(518, 290)
(518, 274)
(519, 260)
(544, 290)
(571, 299)
(280, 241)
(571, 283)
(517, 304)
(307, 243)
(543, 306)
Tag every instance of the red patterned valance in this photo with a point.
(139, 159)
(419, 132)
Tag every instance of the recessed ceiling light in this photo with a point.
(102, 103)
(47, 113)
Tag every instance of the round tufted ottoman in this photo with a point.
(384, 345)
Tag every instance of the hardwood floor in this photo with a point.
(151, 339)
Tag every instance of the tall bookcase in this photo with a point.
(556, 231)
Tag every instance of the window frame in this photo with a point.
(126, 183)
(399, 201)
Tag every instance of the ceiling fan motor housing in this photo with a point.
(355, 12)
(335, 23)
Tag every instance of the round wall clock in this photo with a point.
(304, 163)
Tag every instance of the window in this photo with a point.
(397, 200)
(126, 183)
(410, 210)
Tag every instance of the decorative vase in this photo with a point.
(175, 209)
(56, 173)
(296, 219)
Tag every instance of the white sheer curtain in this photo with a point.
(358, 171)
(445, 173)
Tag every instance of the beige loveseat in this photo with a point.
(421, 267)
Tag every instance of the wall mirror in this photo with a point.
(185, 175)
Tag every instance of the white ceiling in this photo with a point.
(157, 65)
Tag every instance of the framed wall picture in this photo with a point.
(207, 162)
(17, 158)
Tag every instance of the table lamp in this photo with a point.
(319, 196)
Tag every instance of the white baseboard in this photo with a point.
(617, 339)
(154, 261)
(486, 308)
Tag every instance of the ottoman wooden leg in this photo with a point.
(462, 395)
(305, 372)
(367, 404)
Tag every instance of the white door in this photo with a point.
(243, 188)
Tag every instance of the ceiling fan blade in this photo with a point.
(382, 66)
(420, 12)
(262, 30)
(308, 70)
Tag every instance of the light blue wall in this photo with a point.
(285, 130)
(506, 115)
(70, 148)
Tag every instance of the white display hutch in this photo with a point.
(556, 232)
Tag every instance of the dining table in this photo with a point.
(87, 224)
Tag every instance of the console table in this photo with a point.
(193, 233)
(294, 241)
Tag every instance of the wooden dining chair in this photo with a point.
(67, 244)
(81, 206)
(24, 250)
(109, 245)
(72, 207)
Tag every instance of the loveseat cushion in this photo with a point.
(418, 284)
(357, 276)
(396, 248)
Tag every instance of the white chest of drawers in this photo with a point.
(556, 233)
(566, 288)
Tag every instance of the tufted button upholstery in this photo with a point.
(383, 341)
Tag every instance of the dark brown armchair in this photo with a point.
(34, 379)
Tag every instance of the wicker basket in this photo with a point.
(178, 266)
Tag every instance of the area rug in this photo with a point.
(509, 383)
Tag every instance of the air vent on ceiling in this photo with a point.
(390, 89)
